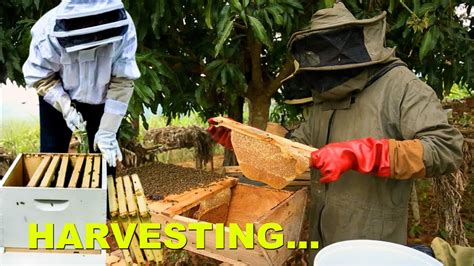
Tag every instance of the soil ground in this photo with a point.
(428, 227)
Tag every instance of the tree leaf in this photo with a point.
(162, 7)
(295, 4)
(208, 12)
(224, 17)
(259, 30)
(223, 74)
(236, 4)
(223, 36)
(246, 3)
(328, 3)
(214, 65)
(2, 58)
(416, 5)
(426, 8)
(391, 6)
(445, 3)
(276, 13)
(425, 45)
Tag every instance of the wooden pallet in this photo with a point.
(127, 204)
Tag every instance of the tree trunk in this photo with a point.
(136, 128)
(259, 110)
(236, 112)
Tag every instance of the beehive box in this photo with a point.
(12, 256)
(230, 202)
(51, 188)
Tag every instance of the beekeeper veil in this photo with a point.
(82, 24)
(336, 47)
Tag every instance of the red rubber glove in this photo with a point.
(220, 135)
(363, 155)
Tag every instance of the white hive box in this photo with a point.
(51, 188)
(29, 258)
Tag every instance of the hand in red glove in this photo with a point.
(363, 155)
(220, 135)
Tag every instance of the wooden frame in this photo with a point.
(277, 206)
(126, 206)
(299, 182)
(277, 162)
(294, 147)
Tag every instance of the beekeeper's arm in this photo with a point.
(430, 146)
(41, 72)
(124, 71)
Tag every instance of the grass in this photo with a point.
(20, 136)
(23, 136)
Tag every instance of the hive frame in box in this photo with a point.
(288, 212)
(20, 206)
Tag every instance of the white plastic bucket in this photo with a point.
(372, 252)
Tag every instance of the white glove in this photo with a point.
(60, 100)
(108, 146)
(74, 120)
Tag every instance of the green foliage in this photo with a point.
(458, 92)
(430, 38)
(16, 20)
(416, 230)
(196, 56)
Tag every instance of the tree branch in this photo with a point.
(286, 70)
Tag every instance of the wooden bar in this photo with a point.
(86, 178)
(126, 253)
(235, 171)
(187, 200)
(157, 253)
(140, 195)
(96, 172)
(112, 195)
(134, 245)
(291, 146)
(299, 183)
(49, 176)
(131, 202)
(76, 172)
(150, 257)
(62, 171)
(122, 202)
(36, 178)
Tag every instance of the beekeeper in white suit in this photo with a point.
(82, 64)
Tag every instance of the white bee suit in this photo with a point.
(85, 50)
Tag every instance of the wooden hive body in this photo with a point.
(247, 204)
(46, 188)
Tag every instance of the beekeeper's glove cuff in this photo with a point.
(107, 143)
